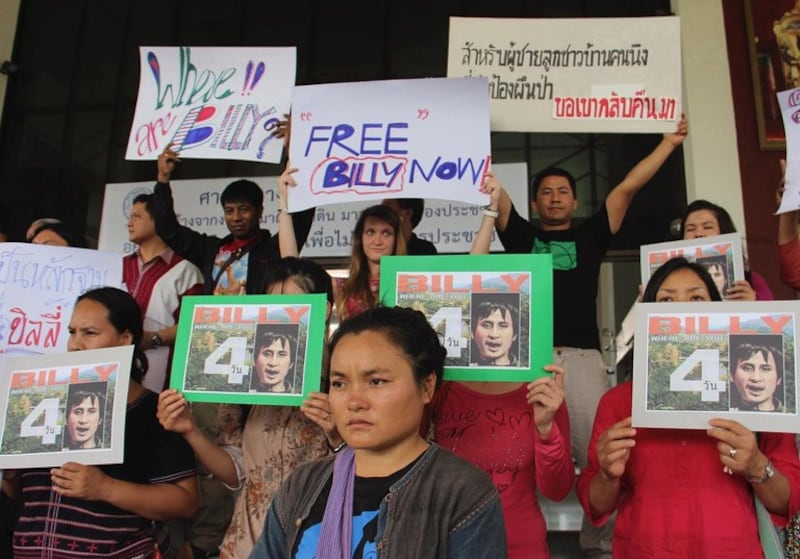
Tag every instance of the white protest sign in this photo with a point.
(573, 75)
(38, 288)
(451, 226)
(790, 110)
(212, 102)
(425, 138)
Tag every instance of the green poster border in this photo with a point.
(540, 324)
(312, 363)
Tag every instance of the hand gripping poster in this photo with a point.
(254, 349)
(698, 361)
(493, 313)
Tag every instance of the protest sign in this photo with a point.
(721, 255)
(38, 288)
(698, 361)
(573, 75)
(493, 314)
(258, 349)
(212, 102)
(789, 102)
(451, 226)
(426, 138)
(64, 407)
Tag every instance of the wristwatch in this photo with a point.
(156, 340)
(769, 471)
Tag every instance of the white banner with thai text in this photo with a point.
(790, 110)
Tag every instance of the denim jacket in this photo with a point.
(444, 507)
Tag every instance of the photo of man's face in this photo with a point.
(756, 379)
(83, 420)
(273, 363)
(494, 335)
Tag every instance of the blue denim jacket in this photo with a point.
(444, 507)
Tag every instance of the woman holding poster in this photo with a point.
(108, 510)
(681, 492)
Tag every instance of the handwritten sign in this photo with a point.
(790, 111)
(38, 288)
(61, 407)
(573, 75)
(721, 255)
(451, 226)
(697, 361)
(262, 349)
(425, 138)
(493, 314)
(212, 102)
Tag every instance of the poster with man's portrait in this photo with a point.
(63, 407)
(698, 361)
(493, 313)
(254, 349)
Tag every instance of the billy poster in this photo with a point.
(573, 75)
(258, 349)
(698, 361)
(64, 407)
(425, 138)
(721, 255)
(212, 102)
(493, 314)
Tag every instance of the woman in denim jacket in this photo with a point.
(389, 493)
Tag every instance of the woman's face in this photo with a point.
(376, 403)
(682, 285)
(89, 328)
(49, 237)
(82, 423)
(273, 363)
(377, 239)
(701, 223)
(756, 379)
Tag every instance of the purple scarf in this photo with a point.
(335, 538)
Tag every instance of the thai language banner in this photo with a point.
(425, 138)
(212, 102)
(721, 255)
(573, 75)
(64, 407)
(38, 288)
(255, 349)
(790, 110)
(493, 314)
(698, 361)
(451, 226)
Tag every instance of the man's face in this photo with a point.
(555, 202)
(82, 422)
(242, 218)
(141, 226)
(756, 379)
(717, 273)
(403, 213)
(273, 363)
(494, 335)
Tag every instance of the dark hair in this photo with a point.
(417, 207)
(407, 329)
(147, 200)
(723, 217)
(124, 315)
(243, 190)
(308, 274)
(269, 337)
(552, 172)
(77, 394)
(765, 344)
(673, 265)
(72, 238)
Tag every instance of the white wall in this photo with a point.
(9, 12)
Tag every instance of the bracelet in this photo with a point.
(490, 212)
(336, 448)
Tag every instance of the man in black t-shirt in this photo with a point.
(577, 255)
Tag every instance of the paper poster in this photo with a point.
(255, 349)
(424, 138)
(493, 314)
(789, 102)
(451, 226)
(212, 102)
(721, 255)
(698, 361)
(64, 407)
(573, 75)
(38, 288)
